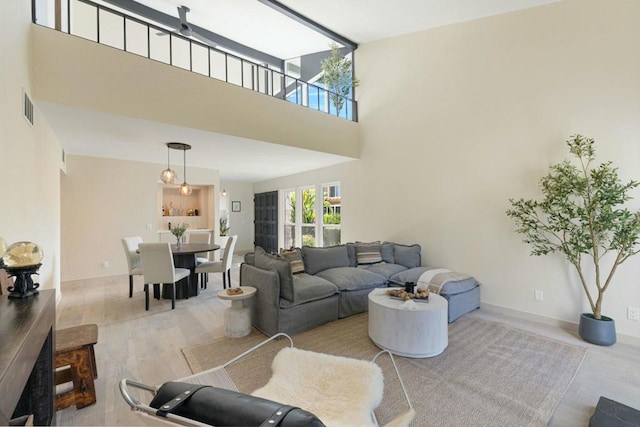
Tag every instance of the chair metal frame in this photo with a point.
(144, 409)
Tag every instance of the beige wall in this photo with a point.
(104, 200)
(79, 73)
(30, 157)
(241, 223)
(457, 120)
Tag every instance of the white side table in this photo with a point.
(237, 318)
(421, 332)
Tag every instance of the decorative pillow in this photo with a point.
(319, 259)
(351, 251)
(387, 252)
(294, 255)
(267, 261)
(368, 253)
(409, 256)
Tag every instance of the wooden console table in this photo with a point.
(27, 357)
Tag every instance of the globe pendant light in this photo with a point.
(184, 189)
(168, 176)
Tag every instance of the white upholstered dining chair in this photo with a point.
(223, 266)
(157, 262)
(134, 263)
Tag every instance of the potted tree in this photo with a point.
(581, 216)
(337, 77)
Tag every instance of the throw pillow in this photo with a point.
(267, 261)
(319, 259)
(368, 253)
(408, 255)
(387, 252)
(294, 255)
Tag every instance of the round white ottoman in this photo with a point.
(417, 330)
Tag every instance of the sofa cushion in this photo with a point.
(294, 256)
(319, 259)
(409, 275)
(267, 261)
(351, 252)
(407, 255)
(387, 252)
(385, 269)
(368, 253)
(250, 258)
(349, 278)
(309, 288)
(450, 288)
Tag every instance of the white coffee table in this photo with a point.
(421, 332)
(237, 318)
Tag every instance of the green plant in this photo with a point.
(224, 227)
(179, 230)
(337, 77)
(308, 207)
(332, 218)
(308, 240)
(579, 215)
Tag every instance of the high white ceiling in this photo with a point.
(260, 27)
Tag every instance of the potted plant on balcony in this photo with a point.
(337, 77)
(581, 216)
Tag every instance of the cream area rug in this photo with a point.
(490, 374)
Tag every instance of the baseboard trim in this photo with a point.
(550, 321)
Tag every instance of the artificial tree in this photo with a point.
(580, 216)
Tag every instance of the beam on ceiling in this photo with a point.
(174, 22)
(276, 5)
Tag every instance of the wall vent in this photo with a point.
(27, 107)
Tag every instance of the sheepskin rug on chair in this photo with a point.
(338, 390)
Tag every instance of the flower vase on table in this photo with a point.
(179, 231)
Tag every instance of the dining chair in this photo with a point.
(201, 237)
(134, 263)
(157, 262)
(223, 266)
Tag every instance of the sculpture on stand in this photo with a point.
(22, 260)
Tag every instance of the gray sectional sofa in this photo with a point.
(306, 287)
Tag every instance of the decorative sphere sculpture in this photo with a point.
(22, 254)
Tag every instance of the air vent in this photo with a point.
(27, 107)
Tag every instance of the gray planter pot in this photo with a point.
(600, 332)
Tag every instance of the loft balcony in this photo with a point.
(111, 27)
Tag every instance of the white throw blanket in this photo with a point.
(436, 278)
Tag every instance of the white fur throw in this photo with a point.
(338, 390)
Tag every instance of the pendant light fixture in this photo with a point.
(184, 189)
(168, 176)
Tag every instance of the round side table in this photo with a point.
(237, 318)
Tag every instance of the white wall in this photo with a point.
(30, 156)
(104, 200)
(457, 120)
(241, 223)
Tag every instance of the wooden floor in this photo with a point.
(145, 345)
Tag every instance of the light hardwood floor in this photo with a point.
(145, 345)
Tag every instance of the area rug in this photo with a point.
(490, 374)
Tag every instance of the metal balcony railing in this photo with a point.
(107, 26)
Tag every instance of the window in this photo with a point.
(308, 220)
(331, 218)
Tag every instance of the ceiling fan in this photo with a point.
(186, 30)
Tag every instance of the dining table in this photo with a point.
(184, 256)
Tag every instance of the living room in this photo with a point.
(453, 122)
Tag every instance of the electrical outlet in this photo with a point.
(149, 226)
(538, 295)
(105, 264)
(633, 313)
